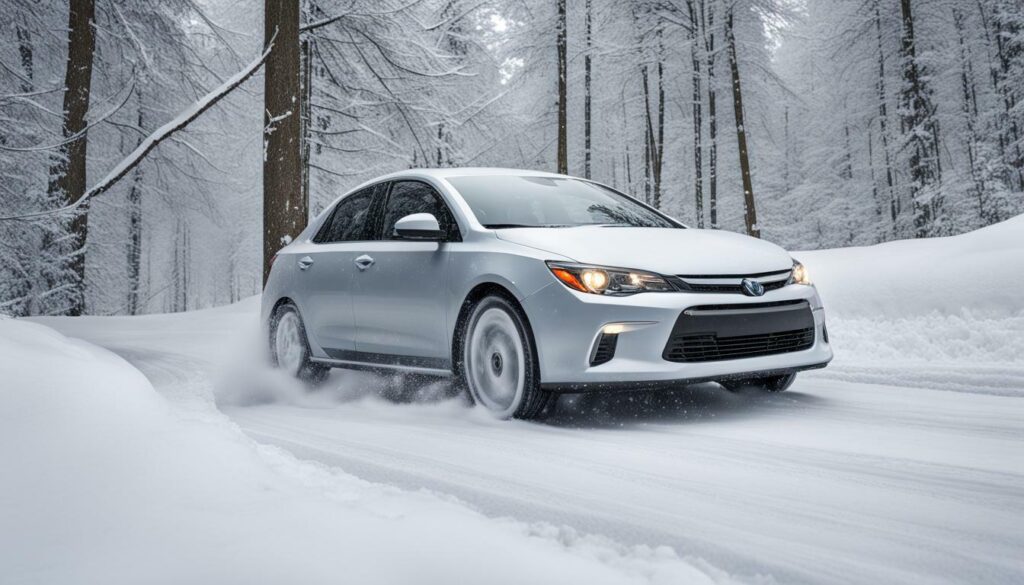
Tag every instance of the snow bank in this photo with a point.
(980, 273)
(107, 482)
(943, 312)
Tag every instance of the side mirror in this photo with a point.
(418, 226)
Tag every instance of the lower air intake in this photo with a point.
(710, 347)
(604, 349)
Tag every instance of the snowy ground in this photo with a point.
(903, 462)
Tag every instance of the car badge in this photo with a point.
(752, 288)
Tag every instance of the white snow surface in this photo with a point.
(903, 462)
(944, 313)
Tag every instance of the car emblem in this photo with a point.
(752, 288)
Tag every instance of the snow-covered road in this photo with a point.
(915, 477)
(831, 481)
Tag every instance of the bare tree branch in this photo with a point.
(161, 134)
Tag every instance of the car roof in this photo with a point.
(445, 173)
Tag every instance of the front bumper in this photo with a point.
(566, 324)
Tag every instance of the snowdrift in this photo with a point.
(107, 482)
(944, 313)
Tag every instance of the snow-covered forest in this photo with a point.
(814, 123)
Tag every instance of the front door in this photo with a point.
(402, 285)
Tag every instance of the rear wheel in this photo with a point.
(498, 364)
(767, 383)
(290, 348)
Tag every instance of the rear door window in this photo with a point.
(348, 222)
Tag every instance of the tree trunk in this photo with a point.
(135, 232)
(874, 179)
(563, 98)
(285, 209)
(306, 118)
(883, 122)
(650, 154)
(586, 91)
(708, 9)
(920, 131)
(659, 150)
(786, 152)
(1007, 90)
(25, 52)
(1001, 130)
(698, 123)
(970, 112)
(749, 210)
(68, 171)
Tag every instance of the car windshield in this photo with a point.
(509, 201)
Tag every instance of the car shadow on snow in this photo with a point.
(691, 404)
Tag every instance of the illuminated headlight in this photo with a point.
(799, 274)
(601, 280)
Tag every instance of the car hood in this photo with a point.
(666, 251)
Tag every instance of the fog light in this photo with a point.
(613, 328)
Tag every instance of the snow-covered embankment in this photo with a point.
(106, 482)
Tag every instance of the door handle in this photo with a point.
(305, 262)
(363, 262)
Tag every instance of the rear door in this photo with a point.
(326, 274)
(402, 294)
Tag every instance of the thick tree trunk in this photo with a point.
(586, 91)
(285, 209)
(68, 172)
(563, 98)
(307, 120)
(920, 131)
(749, 210)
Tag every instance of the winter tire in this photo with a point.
(289, 347)
(498, 361)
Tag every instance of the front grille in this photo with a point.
(729, 283)
(730, 288)
(708, 347)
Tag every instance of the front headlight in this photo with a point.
(799, 274)
(601, 280)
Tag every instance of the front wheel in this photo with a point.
(767, 383)
(498, 364)
(290, 348)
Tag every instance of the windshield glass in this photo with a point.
(510, 201)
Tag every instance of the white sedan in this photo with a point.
(524, 284)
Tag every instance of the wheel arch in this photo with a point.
(478, 292)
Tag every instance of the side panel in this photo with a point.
(400, 299)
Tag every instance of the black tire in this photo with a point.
(768, 383)
(533, 402)
(309, 371)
